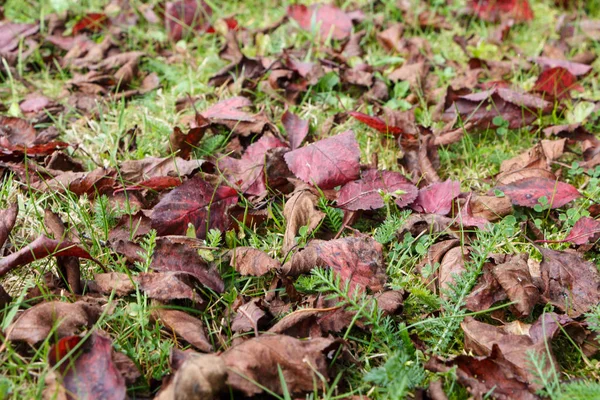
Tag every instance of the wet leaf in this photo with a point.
(327, 163)
(585, 230)
(367, 193)
(527, 192)
(195, 202)
(556, 83)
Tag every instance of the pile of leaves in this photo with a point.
(264, 254)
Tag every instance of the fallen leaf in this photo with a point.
(518, 109)
(137, 171)
(484, 375)
(327, 163)
(184, 16)
(259, 360)
(54, 317)
(254, 262)
(570, 283)
(16, 132)
(527, 192)
(494, 10)
(229, 113)
(295, 127)
(330, 20)
(248, 317)
(184, 143)
(90, 371)
(248, 172)
(575, 68)
(367, 193)
(358, 260)
(585, 230)
(556, 83)
(486, 292)
(437, 198)
(300, 210)
(92, 22)
(12, 33)
(167, 286)
(8, 217)
(516, 281)
(376, 123)
(180, 254)
(189, 328)
(200, 376)
(195, 202)
(451, 267)
(41, 247)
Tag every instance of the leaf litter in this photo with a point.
(274, 241)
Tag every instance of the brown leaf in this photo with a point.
(248, 317)
(59, 318)
(118, 282)
(574, 68)
(452, 265)
(515, 279)
(8, 217)
(184, 143)
(327, 163)
(358, 260)
(136, 171)
(300, 210)
(254, 262)
(40, 248)
(201, 376)
(486, 292)
(229, 112)
(258, 358)
(180, 254)
(570, 283)
(180, 323)
(90, 372)
(167, 286)
(16, 132)
(491, 208)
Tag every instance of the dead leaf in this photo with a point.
(8, 217)
(295, 127)
(527, 192)
(136, 171)
(248, 317)
(59, 318)
(376, 123)
(229, 113)
(201, 376)
(556, 83)
(494, 10)
(585, 230)
(367, 193)
(90, 372)
(184, 16)
(515, 279)
(300, 210)
(254, 262)
(575, 68)
(180, 254)
(437, 198)
(180, 323)
(259, 359)
(570, 283)
(452, 266)
(486, 292)
(327, 163)
(330, 19)
(195, 202)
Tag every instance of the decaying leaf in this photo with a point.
(515, 279)
(254, 262)
(331, 20)
(8, 218)
(585, 230)
(180, 323)
(300, 210)
(437, 198)
(295, 127)
(528, 192)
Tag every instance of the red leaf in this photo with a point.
(157, 183)
(327, 163)
(89, 373)
(585, 230)
(526, 192)
(41, 247)
(375, 123)
(92, 22)
(180, 254)
(295, 127)
(331, 19)
(248, 173)
(437, 198)
(195, 202)
(231, 23)
(186, 15)
(229, 109)
(556, 82)
(364, 194)
(575, 68)
(493, 10)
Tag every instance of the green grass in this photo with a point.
(386, 362)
